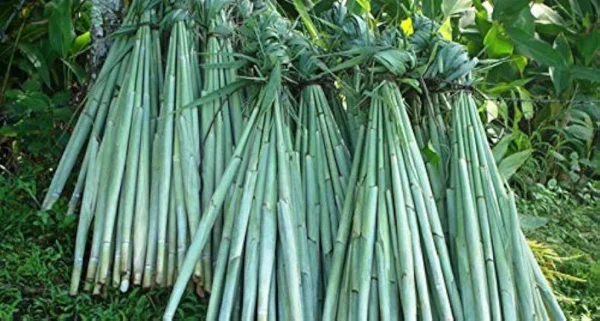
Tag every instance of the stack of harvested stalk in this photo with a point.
(295, 178)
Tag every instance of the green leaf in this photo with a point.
(580, 132)
(431, 8)
(561, 44)
(509, 165)
(35, 57)
(561, 79)
(452, 7)
(561, 76)
(61, 98)
(76, 69)
(520, 62)
(535, 49)
(394, 60)
(221, 92)
(504, 87)
(524, 21)
(497, 44)
(587, 44)
(431, 154)
(303, 12)
(501, 147)
(507, 9)
(60, 28)
(526, 103)
(482, 22)
(585, 73)
(31, 84)
(81, 42)
(358, 7)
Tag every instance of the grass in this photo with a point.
(36, 253)
(573, 232)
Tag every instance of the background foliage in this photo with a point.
(538, 83)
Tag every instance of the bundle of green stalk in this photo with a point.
(142, 185)
(118, 113)
(164, 221)
(390, 260)
(429, 125)
(263, 267)
(220, 127)
(498, 276)
(91, 125)
(325, 163)
(445, 66)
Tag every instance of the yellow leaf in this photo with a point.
(446, 30)
(407, 26)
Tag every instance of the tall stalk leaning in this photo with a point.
(325, 162)
(105, 161)
(262, 259)
(221, 121)
(499, 279)
(94, 113)
(392, 229)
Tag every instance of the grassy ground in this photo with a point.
(36, 255)
(36, 258)
(573, 233)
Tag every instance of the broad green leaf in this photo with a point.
(60, 28)
(587, 44)
(452, 7)
(561, 79)
(509, 165)
(501, 147)
(431, 8)
(526, 103)
(35, 57)
(62, 113)
(504, 87)
(221, 92)
(31, 84)
(358, 7)
(585, 133)
(535, 49)
(524, 21)
(561, 76)
(505, 10)
(585, 73)
(561, 44)
(61, 98)
(497, 44)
